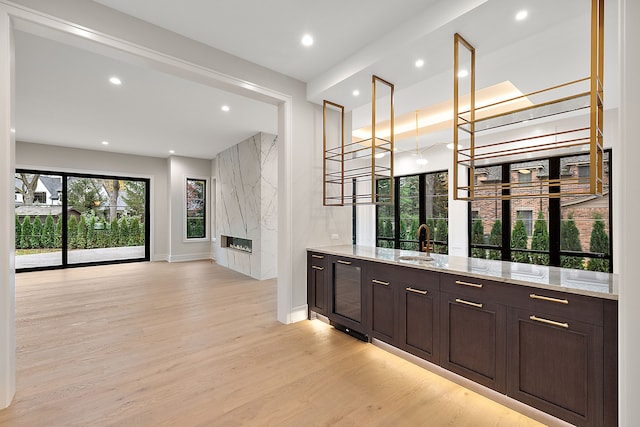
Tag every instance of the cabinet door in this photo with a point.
(382, 308)
(346, 294)
(556, 365)
(474, 339)
(419, 309)
(316, 283)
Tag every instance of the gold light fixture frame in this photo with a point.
(333, 155)
(583, 93)
(356, 161)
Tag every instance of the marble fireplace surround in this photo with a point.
(246, 206)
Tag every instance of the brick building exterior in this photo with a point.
(583, 208)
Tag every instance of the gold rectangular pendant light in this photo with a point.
(352, 170)
(476, 145)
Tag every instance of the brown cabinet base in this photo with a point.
(552, 350)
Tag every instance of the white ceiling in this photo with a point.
(63, 96)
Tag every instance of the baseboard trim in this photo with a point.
(298, 314)
(190, 257)
(160, 257)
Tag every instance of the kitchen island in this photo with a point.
(545, 336)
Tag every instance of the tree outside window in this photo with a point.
(421, 199)
(571, 230)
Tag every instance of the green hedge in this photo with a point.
(88, 233)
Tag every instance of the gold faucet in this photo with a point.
(424, 238)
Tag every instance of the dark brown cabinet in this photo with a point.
(382, 303)
(473, 322)
(419, 314)
(317, 283)
(556, 355)
(404, 308)
(474, 339)
(555, 365)
(555, 351)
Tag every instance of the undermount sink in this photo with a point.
(418, 258)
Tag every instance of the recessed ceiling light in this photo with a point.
(462, 74)
(450, 146)
(13, 130)
(225, 108)
(307, 40)
(172, 151)
(521, 15)
(419, 63)
(115, 81)
(356, 92)
(422, 161)
(380, 155)
(105, 142)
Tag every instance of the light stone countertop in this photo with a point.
(581, 282)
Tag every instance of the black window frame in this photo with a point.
(65, 207)
(189, 218)
(422, 214)
(555, 217)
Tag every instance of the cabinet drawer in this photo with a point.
(559, 304)
(405, 277)
(319, 260)
(473, 287)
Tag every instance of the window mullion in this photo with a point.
(422, 195)
(396, 212)
(555, 221)
(506, 214)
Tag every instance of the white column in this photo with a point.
(627, 201)
(7, 224)
(285, 214)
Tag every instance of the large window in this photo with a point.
(568, 231)
(419, 199)
(196, 208)
(78, 219)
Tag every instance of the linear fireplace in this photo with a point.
(236, 243)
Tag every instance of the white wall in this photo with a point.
(62, 159)
(7, 230)
(181, 168)
(627, 201)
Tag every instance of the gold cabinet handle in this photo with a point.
(380, 282)
(315, 267)
(473, 285)
(541, 297)
(343, 262)
(317, 256)
(472, 304)
(549, 322)
(416, 291)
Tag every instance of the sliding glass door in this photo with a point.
(96, 219)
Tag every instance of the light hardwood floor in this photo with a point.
(194, 344)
